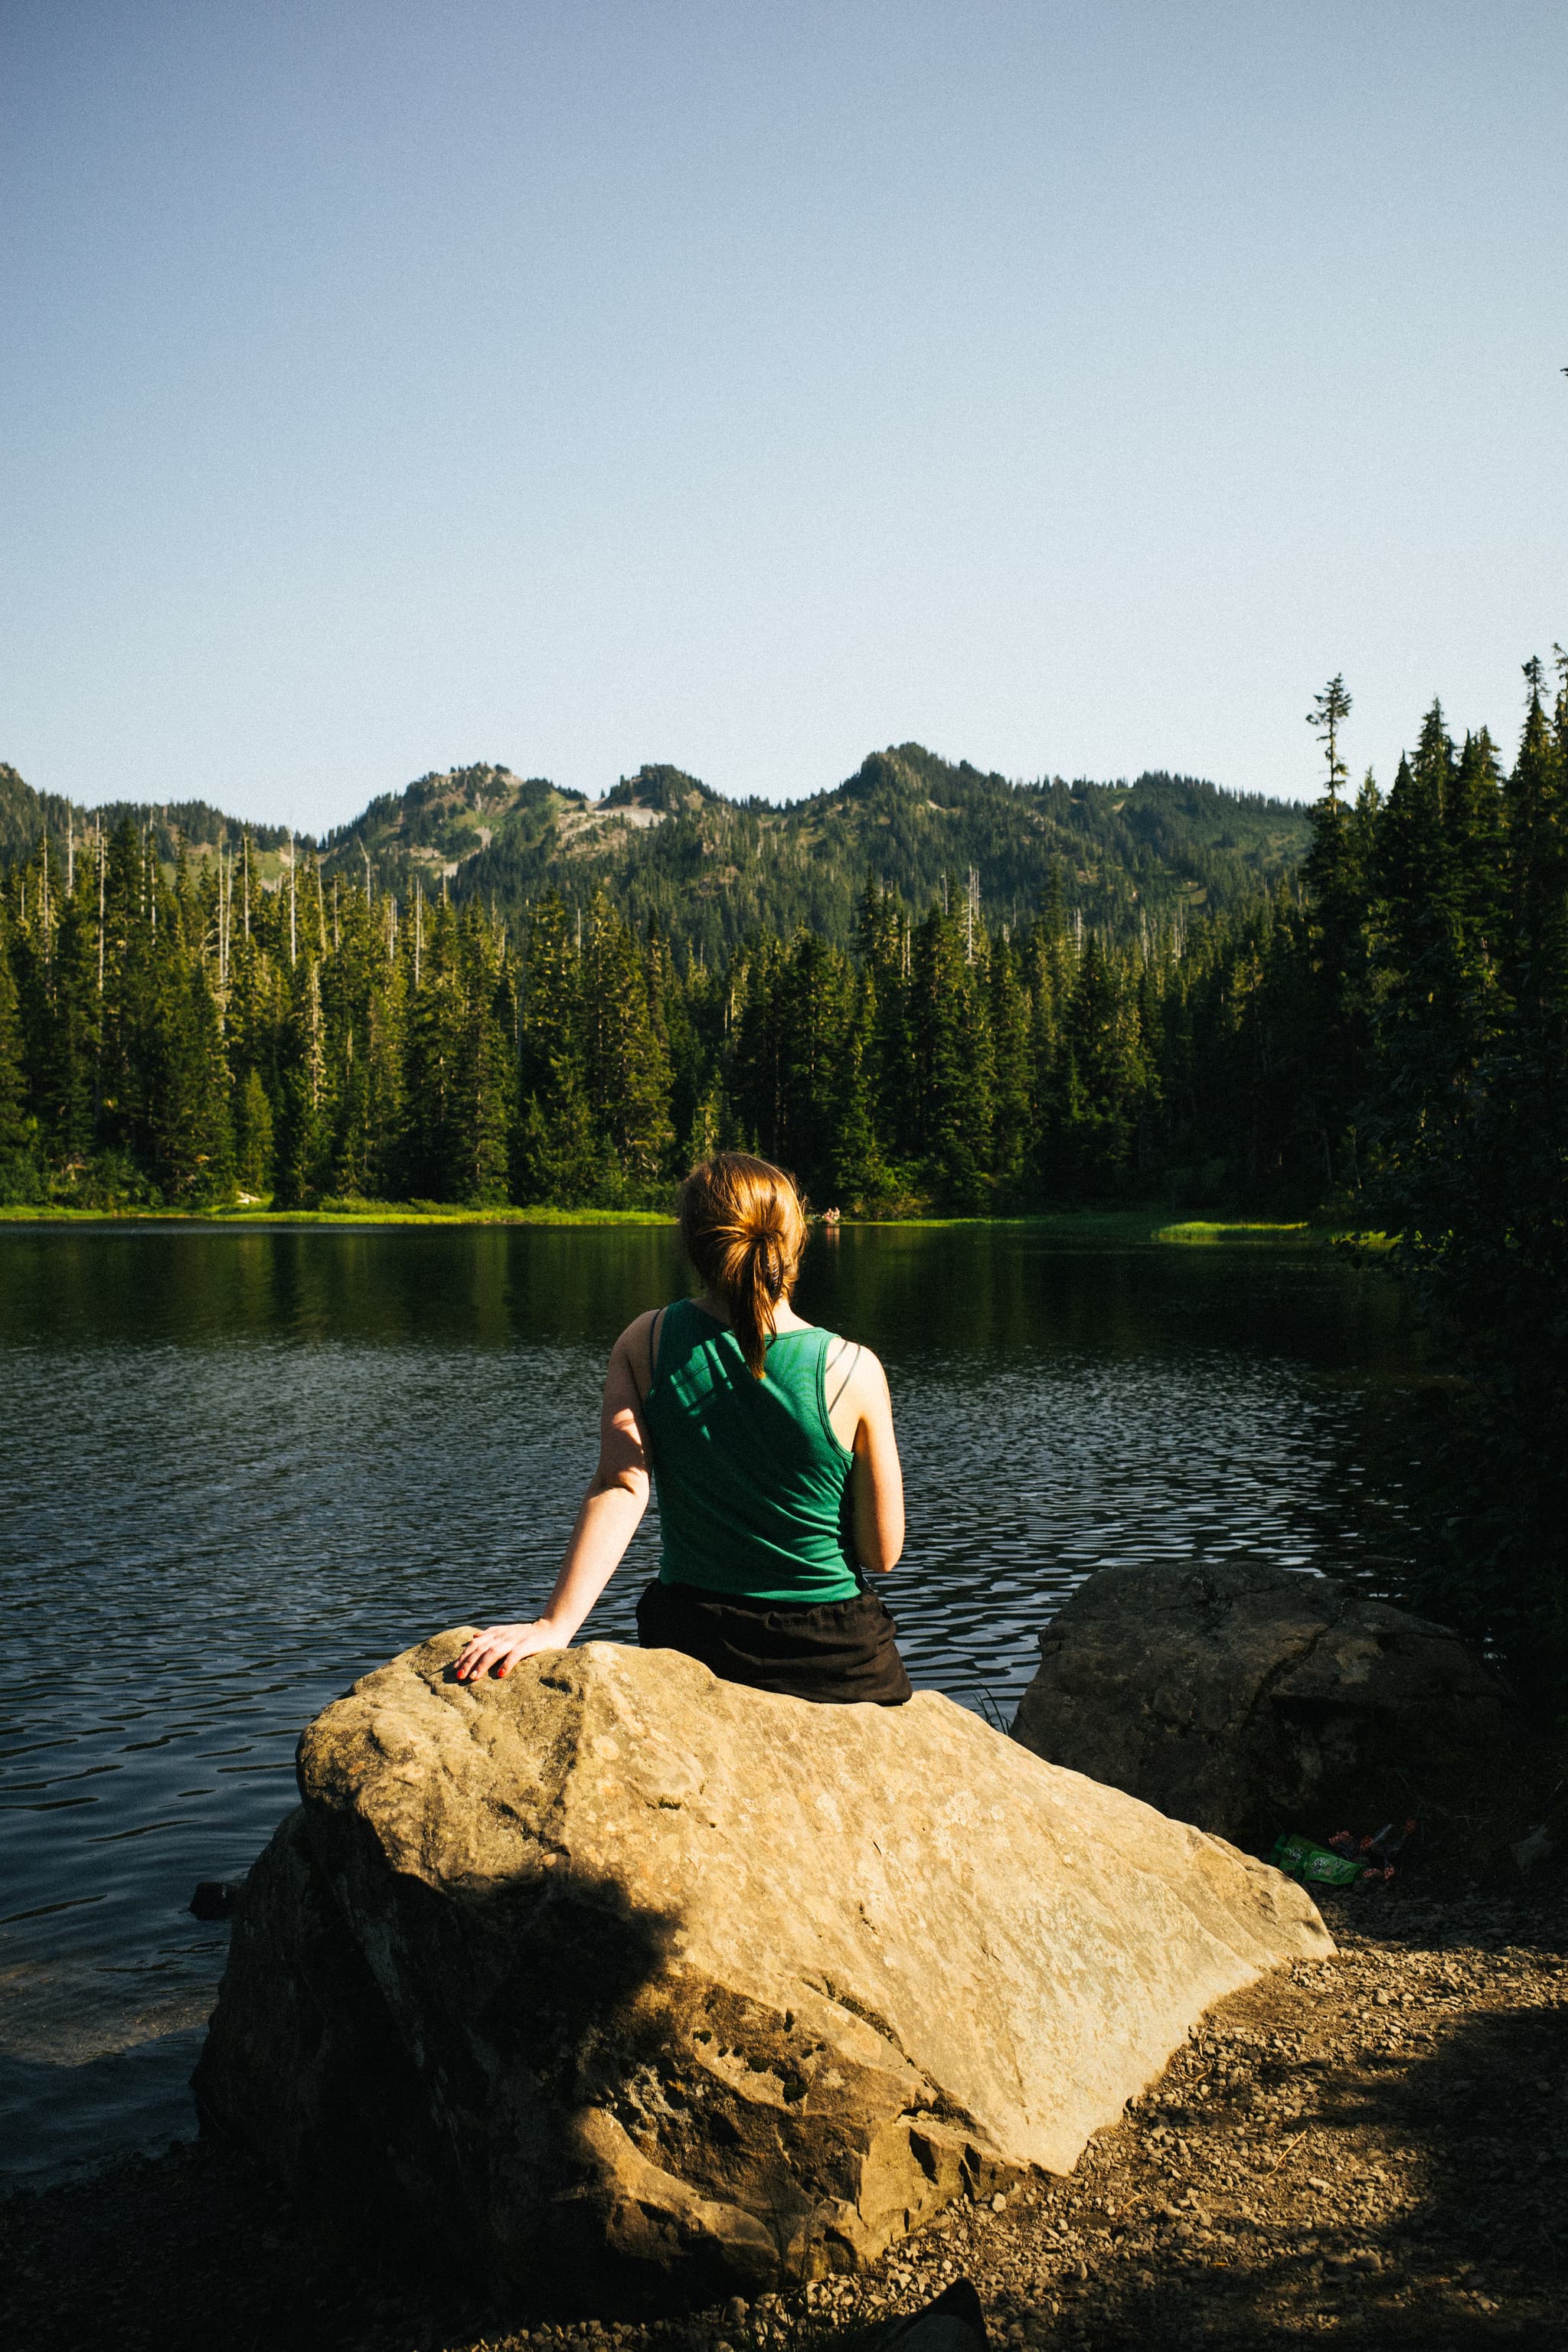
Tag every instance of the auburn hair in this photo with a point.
(743, 1228)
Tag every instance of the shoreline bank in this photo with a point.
(1146, 1225)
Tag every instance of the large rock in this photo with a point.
(618, 1968)
(1251, 1699)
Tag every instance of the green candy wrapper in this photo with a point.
(1314, 1866)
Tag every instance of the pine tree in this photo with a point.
(122, 998)
(809, 1020)
(1536, 806)
(1338, 874)
(488, 1062)
(952, 1063)
(210, 1135)
(1328, 715)
(352, 1153)
(628, 1066)
(712, 1127)
(859, 1177)
(20, 1176)
(435, 1158)
(384, 1059)
(253, 1138)
(1110, 1066)
(1477, 1193)
(301, 1132)
(755, 1070)
(1419, 913)
(1010, 1015)
(555, 1155)
(69, 1096)
(883, 942)
(1473, 821)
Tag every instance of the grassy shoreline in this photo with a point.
(1146, 1225)
(377, 1213)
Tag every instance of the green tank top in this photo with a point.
(752, 1484)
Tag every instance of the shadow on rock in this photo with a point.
(397, 2150)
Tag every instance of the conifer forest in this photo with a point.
(1361, 1009)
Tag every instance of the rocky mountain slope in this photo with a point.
(668, 847)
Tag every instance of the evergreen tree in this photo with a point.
(756, 1067)
(712, 1127)
(253, 1138)
(628, 1065)
(1010, 1015)
(488, 1061)
(1476, 1190)
(1338, 874)
(434, 1150)
(19, 1174)
(809, 1020)
(883, 942)
(1473, 821)
(385, 1110)
(1536, 806)
(301, 1131)
(555, 1154)
(951, 1042)
(125, 917)
(858, 1176)
(1110, 1070)
(69, 1098)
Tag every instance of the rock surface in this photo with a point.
(619, 1971)
(1306, 2127)
(1253, 1699)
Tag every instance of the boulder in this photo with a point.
(619, 1971)
(1251, 1699)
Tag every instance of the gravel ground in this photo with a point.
(1374, 2149)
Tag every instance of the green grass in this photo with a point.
(1353, 1237)
(376, 1212)
(1129, 1224)
(1092, 1225)
(1118, 1226)
(1204, 1229)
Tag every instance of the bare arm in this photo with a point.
(612, 1508)
(862, 1416)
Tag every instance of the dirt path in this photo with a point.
(1374, 2149)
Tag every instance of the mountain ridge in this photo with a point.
(671, 850)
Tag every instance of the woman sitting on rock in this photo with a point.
(771, 1443)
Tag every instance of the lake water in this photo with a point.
(239, 1468)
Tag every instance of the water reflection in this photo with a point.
(236, 1469)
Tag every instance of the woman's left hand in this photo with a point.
(611, 1507)
(500, 1647)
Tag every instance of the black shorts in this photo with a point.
(839, 1652)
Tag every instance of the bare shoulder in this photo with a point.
(855, 1386)
(852, 1358)
(637, 1332)
(633, 1349)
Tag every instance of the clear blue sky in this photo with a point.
(1072, 388)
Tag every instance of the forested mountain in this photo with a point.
(26, 817)
(709, 870)
(302, 1028)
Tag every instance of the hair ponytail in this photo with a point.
(744, 1228)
